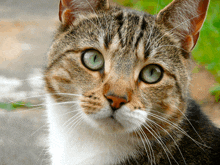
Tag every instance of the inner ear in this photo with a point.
(70, 9)
(185, 17)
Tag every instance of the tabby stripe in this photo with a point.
(147, 50)
(107, 41)
(69, 72)
(60, 57)
(119, 19)
(177, 84)
(138, 39)
(143, 27)
(55, 61)
(51, 89)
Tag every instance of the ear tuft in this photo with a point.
(69, 9)
(185, 17)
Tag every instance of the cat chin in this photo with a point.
(121, 121)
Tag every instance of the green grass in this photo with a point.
(207, 51)
(13, 106)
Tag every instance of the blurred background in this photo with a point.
(26, 33)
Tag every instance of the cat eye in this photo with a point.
(151, 74)
(92, 60)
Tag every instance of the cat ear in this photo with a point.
(69, 9)
(185, 17)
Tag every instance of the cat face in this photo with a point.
(129, 69)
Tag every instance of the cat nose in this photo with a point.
(116, 102)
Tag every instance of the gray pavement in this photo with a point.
(23, 137)
(26, 32)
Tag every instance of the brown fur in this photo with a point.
(128, 40)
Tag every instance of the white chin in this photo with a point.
(110, 125)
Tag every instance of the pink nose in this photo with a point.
(116, 102)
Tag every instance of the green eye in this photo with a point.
(151, 74)
(93, 60)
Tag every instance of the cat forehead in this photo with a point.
(128, 34)
(124, 28)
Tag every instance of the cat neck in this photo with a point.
(82, 144)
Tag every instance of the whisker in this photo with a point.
(75, 123)
(170, 137)
(70, 119)
(190, 124)
(140, 135)
(59, 103)
(149, 145)
(44, 95)
(177, 127)
(38, 129)
(158, 138)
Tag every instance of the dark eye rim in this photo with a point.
(161, 76)
(82, 59)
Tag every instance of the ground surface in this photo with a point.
(26, 31)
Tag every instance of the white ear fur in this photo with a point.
(185, 17)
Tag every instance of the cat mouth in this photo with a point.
(112, 117)
(110, 124)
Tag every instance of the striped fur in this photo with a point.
(83, 127)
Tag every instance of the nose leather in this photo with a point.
(116, 102)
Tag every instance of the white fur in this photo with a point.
(86, 145)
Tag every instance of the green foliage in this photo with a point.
(13, 106)
(208, 47)
(216, 92)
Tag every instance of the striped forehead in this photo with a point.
(126, 33)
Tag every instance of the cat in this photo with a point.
(118, 87)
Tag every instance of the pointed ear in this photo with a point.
(186, 17)
(69, 9)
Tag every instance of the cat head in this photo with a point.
(124, 69)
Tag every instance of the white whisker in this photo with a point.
(158, 138)
(70, 120)
(152, 157)
(190, 124)
(144, 145)
(170, 137)
(177, 127)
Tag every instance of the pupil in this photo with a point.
(95, 58)
(152, 72)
